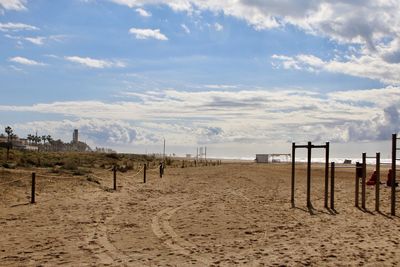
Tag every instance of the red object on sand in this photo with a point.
(372, 180)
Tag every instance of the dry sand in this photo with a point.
(229, 215)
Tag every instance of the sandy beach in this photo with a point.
(230, 215)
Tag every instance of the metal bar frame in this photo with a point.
(393, 191)
(309, 147)
(363, 180)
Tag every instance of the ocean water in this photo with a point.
(317, 160)
(341, 160)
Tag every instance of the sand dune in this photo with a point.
(234, 214)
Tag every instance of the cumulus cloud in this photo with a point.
(95, 63)
(143, 34)
(236, 116)
(142, 12)
(365, 66)
(16, 5)
(25, 61)
(6, 27)
(372, 26)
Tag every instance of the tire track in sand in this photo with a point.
(162, 229)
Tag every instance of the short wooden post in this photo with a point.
(309, 147)
(293, 173)
(378, 180)
(332, 204)
(393, 191)
(161, 170)
(326, 174)
(33, 188)
(144, 173)
(115, 177)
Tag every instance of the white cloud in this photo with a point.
(373, 27)
(36, 40)
(5, 27)
(243, 116)
(95, 63)
(334, 19)
(185, 28)
(148, 34)
(16, 5)
(142, 12)
(220, 86)
(25, 61)
(218, 27)
(365, 66)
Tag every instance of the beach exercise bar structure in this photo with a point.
(309, 148)
(393, 180)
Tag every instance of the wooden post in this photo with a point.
(378, 180)
(309, 146)
(326, 174)
(115, 177)
(332, 186)
(357, 183)
(394, 158)
(293, 173)
(144, 173)
(161, 170)
(33, 188)
(363, 180)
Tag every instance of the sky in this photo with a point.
(238, 76)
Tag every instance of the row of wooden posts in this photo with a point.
(114, 170)
(360, 173)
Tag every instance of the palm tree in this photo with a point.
(9, 132)
(44, 138)
(30, 138)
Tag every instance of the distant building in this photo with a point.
(75, 137)
(272, 158)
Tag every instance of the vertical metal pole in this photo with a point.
(115, 177)
(378, 180)
(144, 173)
(394, 157)
(363, 180)
(332, 186)
(33, 188)
(309, 175)
(357, 183)
(293, 173)
(326, 173)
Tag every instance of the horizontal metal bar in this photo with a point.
(305, 146)
(322, 146)
(370, 157)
